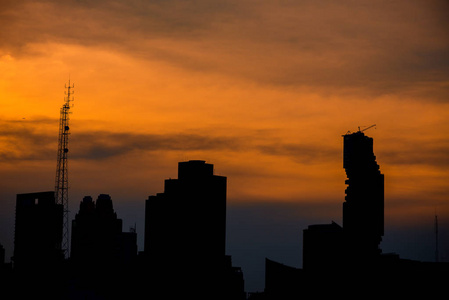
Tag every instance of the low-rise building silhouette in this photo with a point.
(2, 255)
(323, 247)
(5, 267)
(234, 283)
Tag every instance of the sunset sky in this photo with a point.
(264, 90)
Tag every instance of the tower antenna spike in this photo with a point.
(61, 180)
(436, 238)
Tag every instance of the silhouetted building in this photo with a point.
(234, 284)
(329, 247)
(102, 255)
(127, 251)
(5, 268)
(38, 231)
(363, 209)
(185, 231)
(188, 220)
(347, 261)
(2, 255)
(6, 279)
(323, 247)
(190, 216)
(97, 237)
(282, 281)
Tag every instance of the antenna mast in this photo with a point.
(62, 182)
(436, 238)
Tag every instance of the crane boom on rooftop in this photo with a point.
(366, 128)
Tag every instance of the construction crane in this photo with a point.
(360, 130)
(62, 180)
(366, 128)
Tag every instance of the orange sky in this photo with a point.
(262, 90)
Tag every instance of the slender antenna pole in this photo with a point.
(61, 181)
(436, 238)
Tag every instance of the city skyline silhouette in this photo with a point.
(263, 91)
(185, 236)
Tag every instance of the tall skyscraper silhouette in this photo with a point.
(185, 232)
(363, 209)
(356, 244)
(190, 216)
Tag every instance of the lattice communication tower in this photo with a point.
(62, 179)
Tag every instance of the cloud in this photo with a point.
(119, 24)
(104, 145)
(432, 152)
(36, 139)
(31, 140)
(25, 140)
(380, 47)
(436, 155)
(302, 153)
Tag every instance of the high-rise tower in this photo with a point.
(363, 209)
(185, 230)
(190, 216)
(62, 180)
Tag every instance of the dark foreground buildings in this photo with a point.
(184, 252)
(184, 246)
(346, 261)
